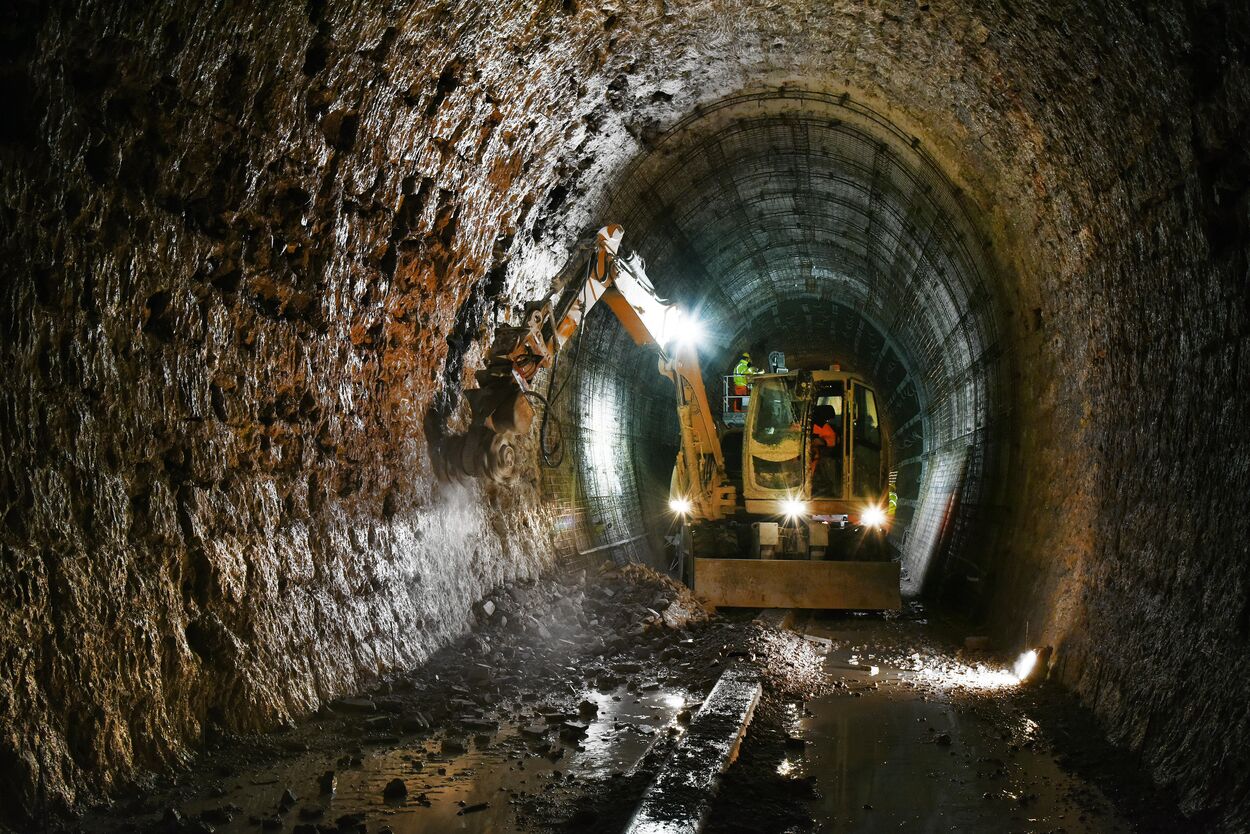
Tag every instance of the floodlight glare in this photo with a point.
(691, 333)
(680, 506)
(873, 517)
(681, 330)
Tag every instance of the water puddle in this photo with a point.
(456, 781)
(888, 754)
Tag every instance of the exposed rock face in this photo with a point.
(226, 319)
(249, 249)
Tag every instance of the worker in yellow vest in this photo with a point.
(742, 373)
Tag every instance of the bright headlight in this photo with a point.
(792, 508)
(873, 517)
(680, 506)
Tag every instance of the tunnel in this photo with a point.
(260, 257)
(813, 225)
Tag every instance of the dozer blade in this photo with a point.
(779, 583)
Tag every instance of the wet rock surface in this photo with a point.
(936, 737)
(559, 709)
(559, 689)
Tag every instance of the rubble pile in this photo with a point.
(559, 634)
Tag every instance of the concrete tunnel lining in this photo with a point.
(797, 218)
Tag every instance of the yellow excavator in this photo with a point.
(797, 519)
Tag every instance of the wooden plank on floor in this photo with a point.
(678, 800)
(780, 583)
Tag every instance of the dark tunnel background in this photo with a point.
(249, 249)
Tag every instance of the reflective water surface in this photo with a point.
(930, 748)
(463, 781)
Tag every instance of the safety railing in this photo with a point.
(733, 404)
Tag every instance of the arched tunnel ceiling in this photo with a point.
(806, 222)
(763, 201)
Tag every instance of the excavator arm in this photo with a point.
(699, 476)
(501, 410)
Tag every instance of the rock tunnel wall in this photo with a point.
(249, 249)
(239, 244)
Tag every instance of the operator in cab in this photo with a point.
(826, 458)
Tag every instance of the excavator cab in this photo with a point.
(815, 439)
(815, 488)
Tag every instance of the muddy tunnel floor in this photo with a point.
(556, 711)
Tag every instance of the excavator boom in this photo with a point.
(517, 354)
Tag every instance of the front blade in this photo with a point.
(779, 583)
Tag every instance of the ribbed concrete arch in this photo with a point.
(809, 223)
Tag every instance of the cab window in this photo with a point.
(867, 429)
(776, 413)
(827, 440)
(867, 426)
(777, 432)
